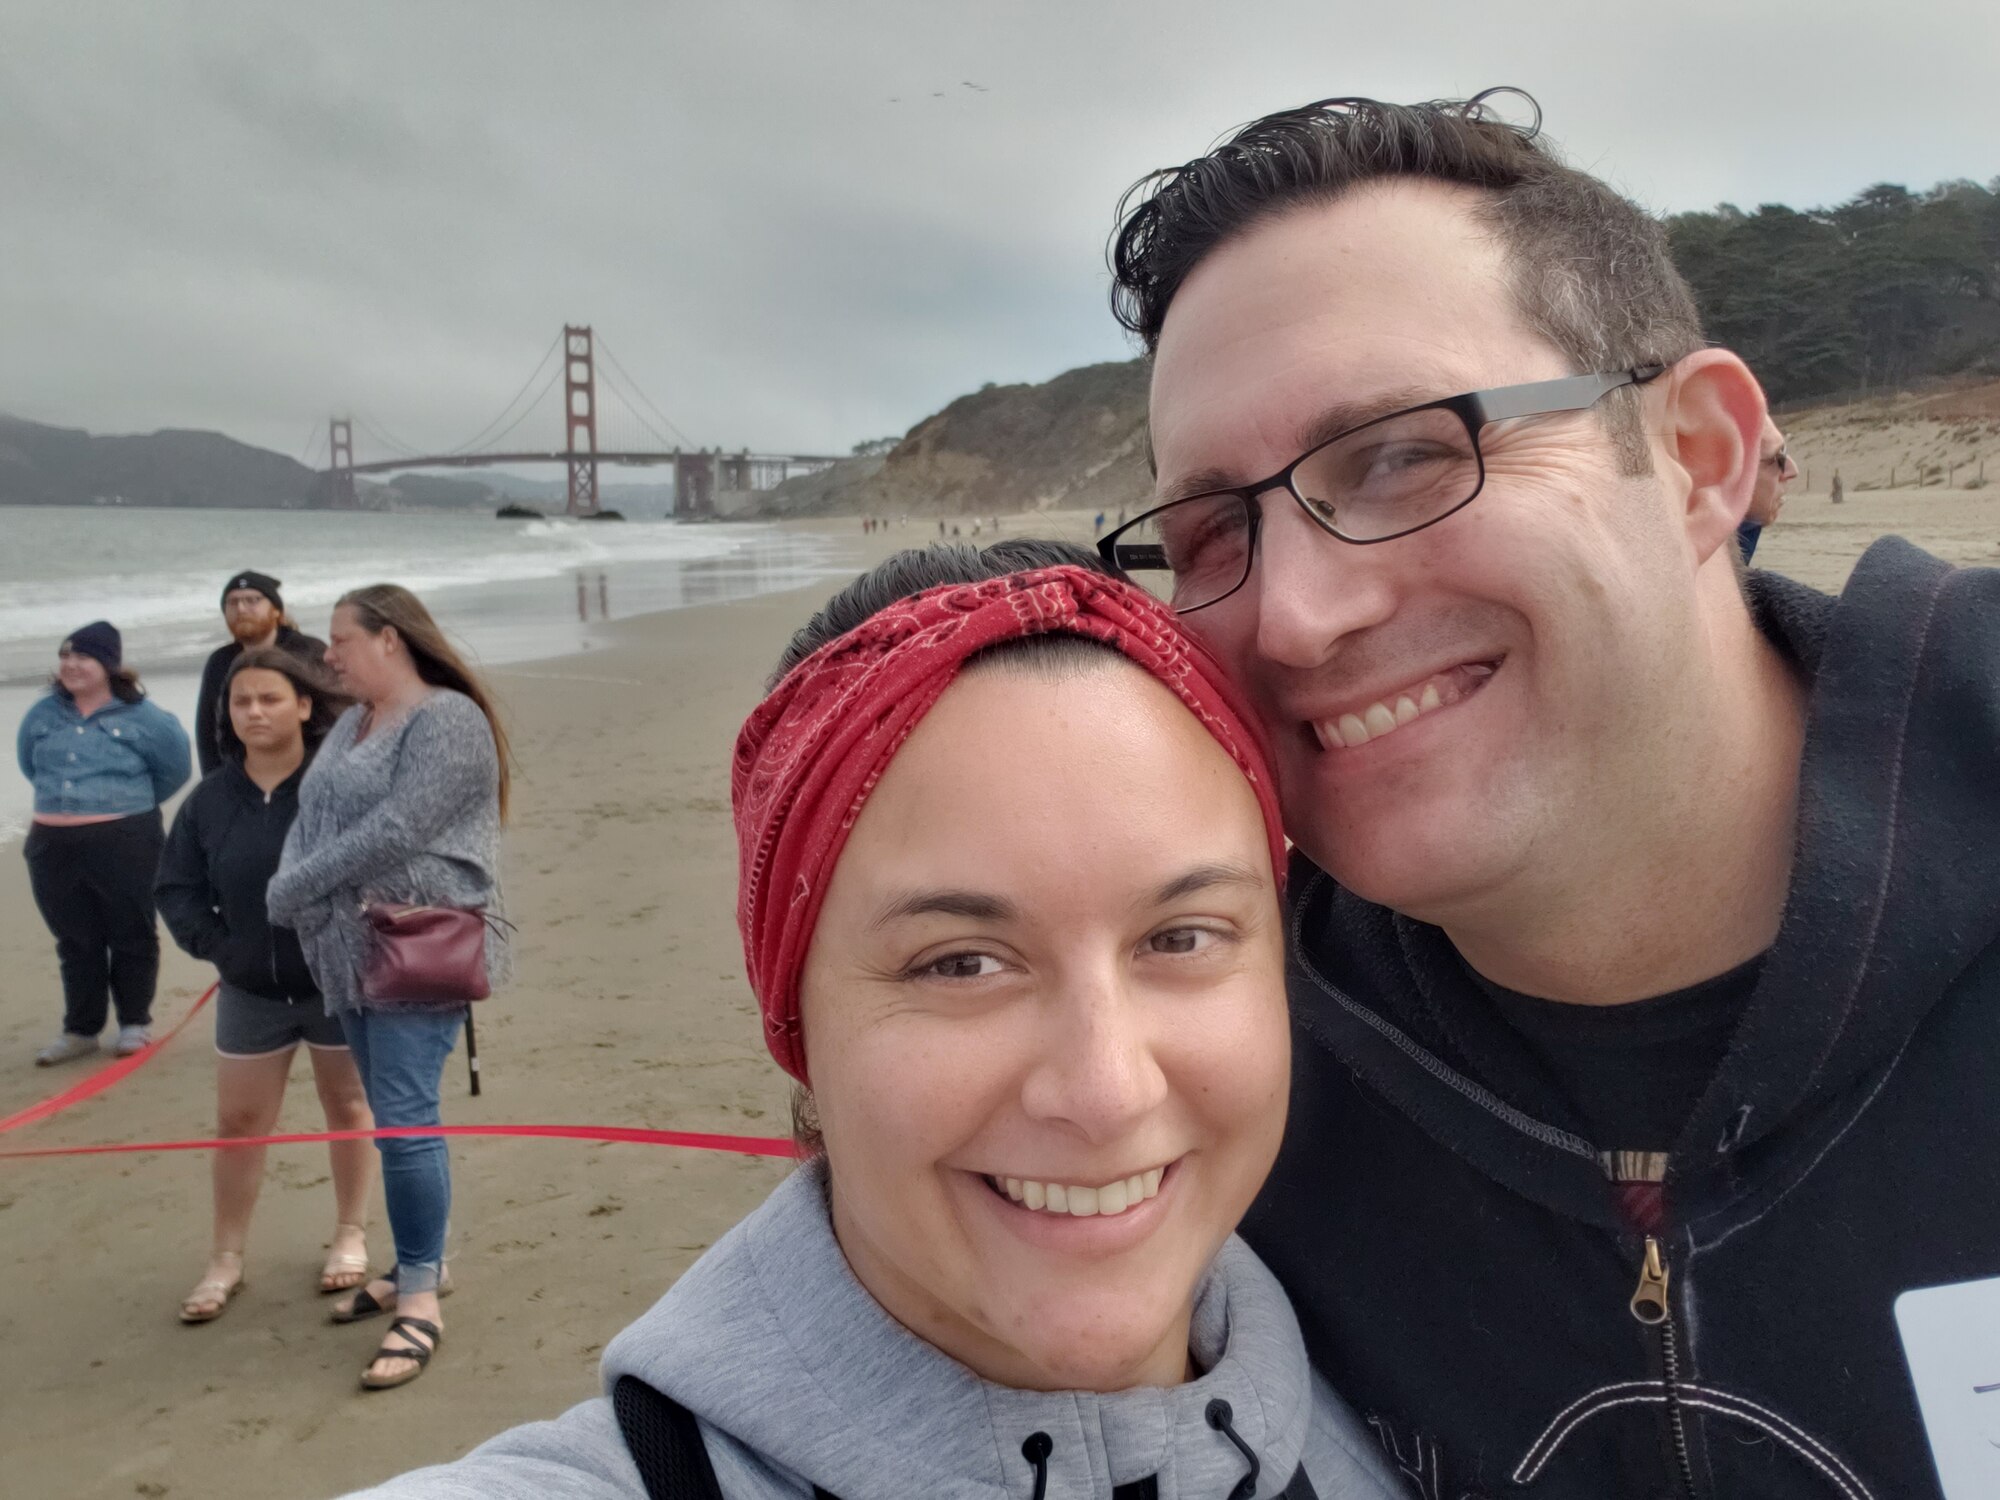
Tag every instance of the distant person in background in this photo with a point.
(219, 858)
(102, 759)
(254, 611)
(403, 803)
(1838, 493)
(1775, 470)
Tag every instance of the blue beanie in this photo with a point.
(99, 639)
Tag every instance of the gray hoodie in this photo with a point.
(798, 1378)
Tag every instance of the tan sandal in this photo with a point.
(211, 1295)
(345, 1269)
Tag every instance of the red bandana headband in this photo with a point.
(809, 755)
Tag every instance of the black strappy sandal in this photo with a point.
(410, 1350)
(363, 1304)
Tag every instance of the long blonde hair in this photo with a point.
(379, 605)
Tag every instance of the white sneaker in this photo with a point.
(132, 1039)
(65, 1048)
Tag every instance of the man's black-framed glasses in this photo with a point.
(1373, 483)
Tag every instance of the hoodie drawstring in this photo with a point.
(1039, 1446)
(1036, 1450)
(1219, 1417)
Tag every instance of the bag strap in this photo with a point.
(666, 1444)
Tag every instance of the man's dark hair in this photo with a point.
(1591, 270)
(918, 568)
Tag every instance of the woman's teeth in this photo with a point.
(1082, 1202)
(1351, 730)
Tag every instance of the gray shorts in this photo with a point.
(248, 1025)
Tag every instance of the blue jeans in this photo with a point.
(400, 1055)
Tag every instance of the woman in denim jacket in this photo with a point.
(102, 759)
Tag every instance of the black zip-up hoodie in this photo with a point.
(1458, 1259)
(221, 853)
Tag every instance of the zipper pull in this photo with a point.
(1649, 1300)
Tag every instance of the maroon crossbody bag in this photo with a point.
(426, 953)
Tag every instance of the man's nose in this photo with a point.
(1311, 589)
(1097, 1071)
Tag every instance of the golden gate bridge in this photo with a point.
(699, 474)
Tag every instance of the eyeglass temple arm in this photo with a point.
(1571, 393)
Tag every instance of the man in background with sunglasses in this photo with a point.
(1645, 920)
(1775, 470)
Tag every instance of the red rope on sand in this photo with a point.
(103, 1078)
(740, 1145)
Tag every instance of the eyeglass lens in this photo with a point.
(1374, 483)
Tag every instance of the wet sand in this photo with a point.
(629, 1009)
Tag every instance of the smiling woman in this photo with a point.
(1010, 865)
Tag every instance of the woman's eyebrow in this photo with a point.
(976, 906)
(1204, 877)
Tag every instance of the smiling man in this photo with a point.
(1645, 933)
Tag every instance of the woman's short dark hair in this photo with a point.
(896, 578)
(125, 686)
(1592, 271)
(307, 680)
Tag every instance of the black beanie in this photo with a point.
(263, 583)
(99, 639)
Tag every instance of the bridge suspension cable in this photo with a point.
(487, 433)
(612, 359)
(527, 411)
(383, 436)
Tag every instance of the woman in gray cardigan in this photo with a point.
(403, 803)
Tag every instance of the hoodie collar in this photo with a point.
(770, 1339)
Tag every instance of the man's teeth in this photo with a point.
(1082, 1202)
(1386, 717)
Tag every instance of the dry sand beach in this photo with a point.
(629, 1009)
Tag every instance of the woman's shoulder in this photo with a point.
(149, 714)
(51, 708)
(451, 707)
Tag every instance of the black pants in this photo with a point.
(93, 884)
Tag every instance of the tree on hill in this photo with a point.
(1888, 287)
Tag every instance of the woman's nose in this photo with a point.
(1097, 1071)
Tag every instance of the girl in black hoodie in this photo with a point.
(221, 854)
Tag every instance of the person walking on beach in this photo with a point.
(254, 611)
(403, 804)
(219, 858)
(1775, 471)
(102, 758)
(1645, 917)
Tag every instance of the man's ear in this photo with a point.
(1714, 421)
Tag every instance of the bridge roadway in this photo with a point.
(487, 460)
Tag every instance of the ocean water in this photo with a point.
(508, 590)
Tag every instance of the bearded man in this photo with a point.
(254, 610)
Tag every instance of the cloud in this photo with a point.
(796, 224)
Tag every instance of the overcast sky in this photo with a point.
(795, 224)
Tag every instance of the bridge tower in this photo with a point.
(580, 419)
(341, 494)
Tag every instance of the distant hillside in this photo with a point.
(1077, 441)
(1942, 436)
(42, 465)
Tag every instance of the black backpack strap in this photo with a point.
(666, 1444)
